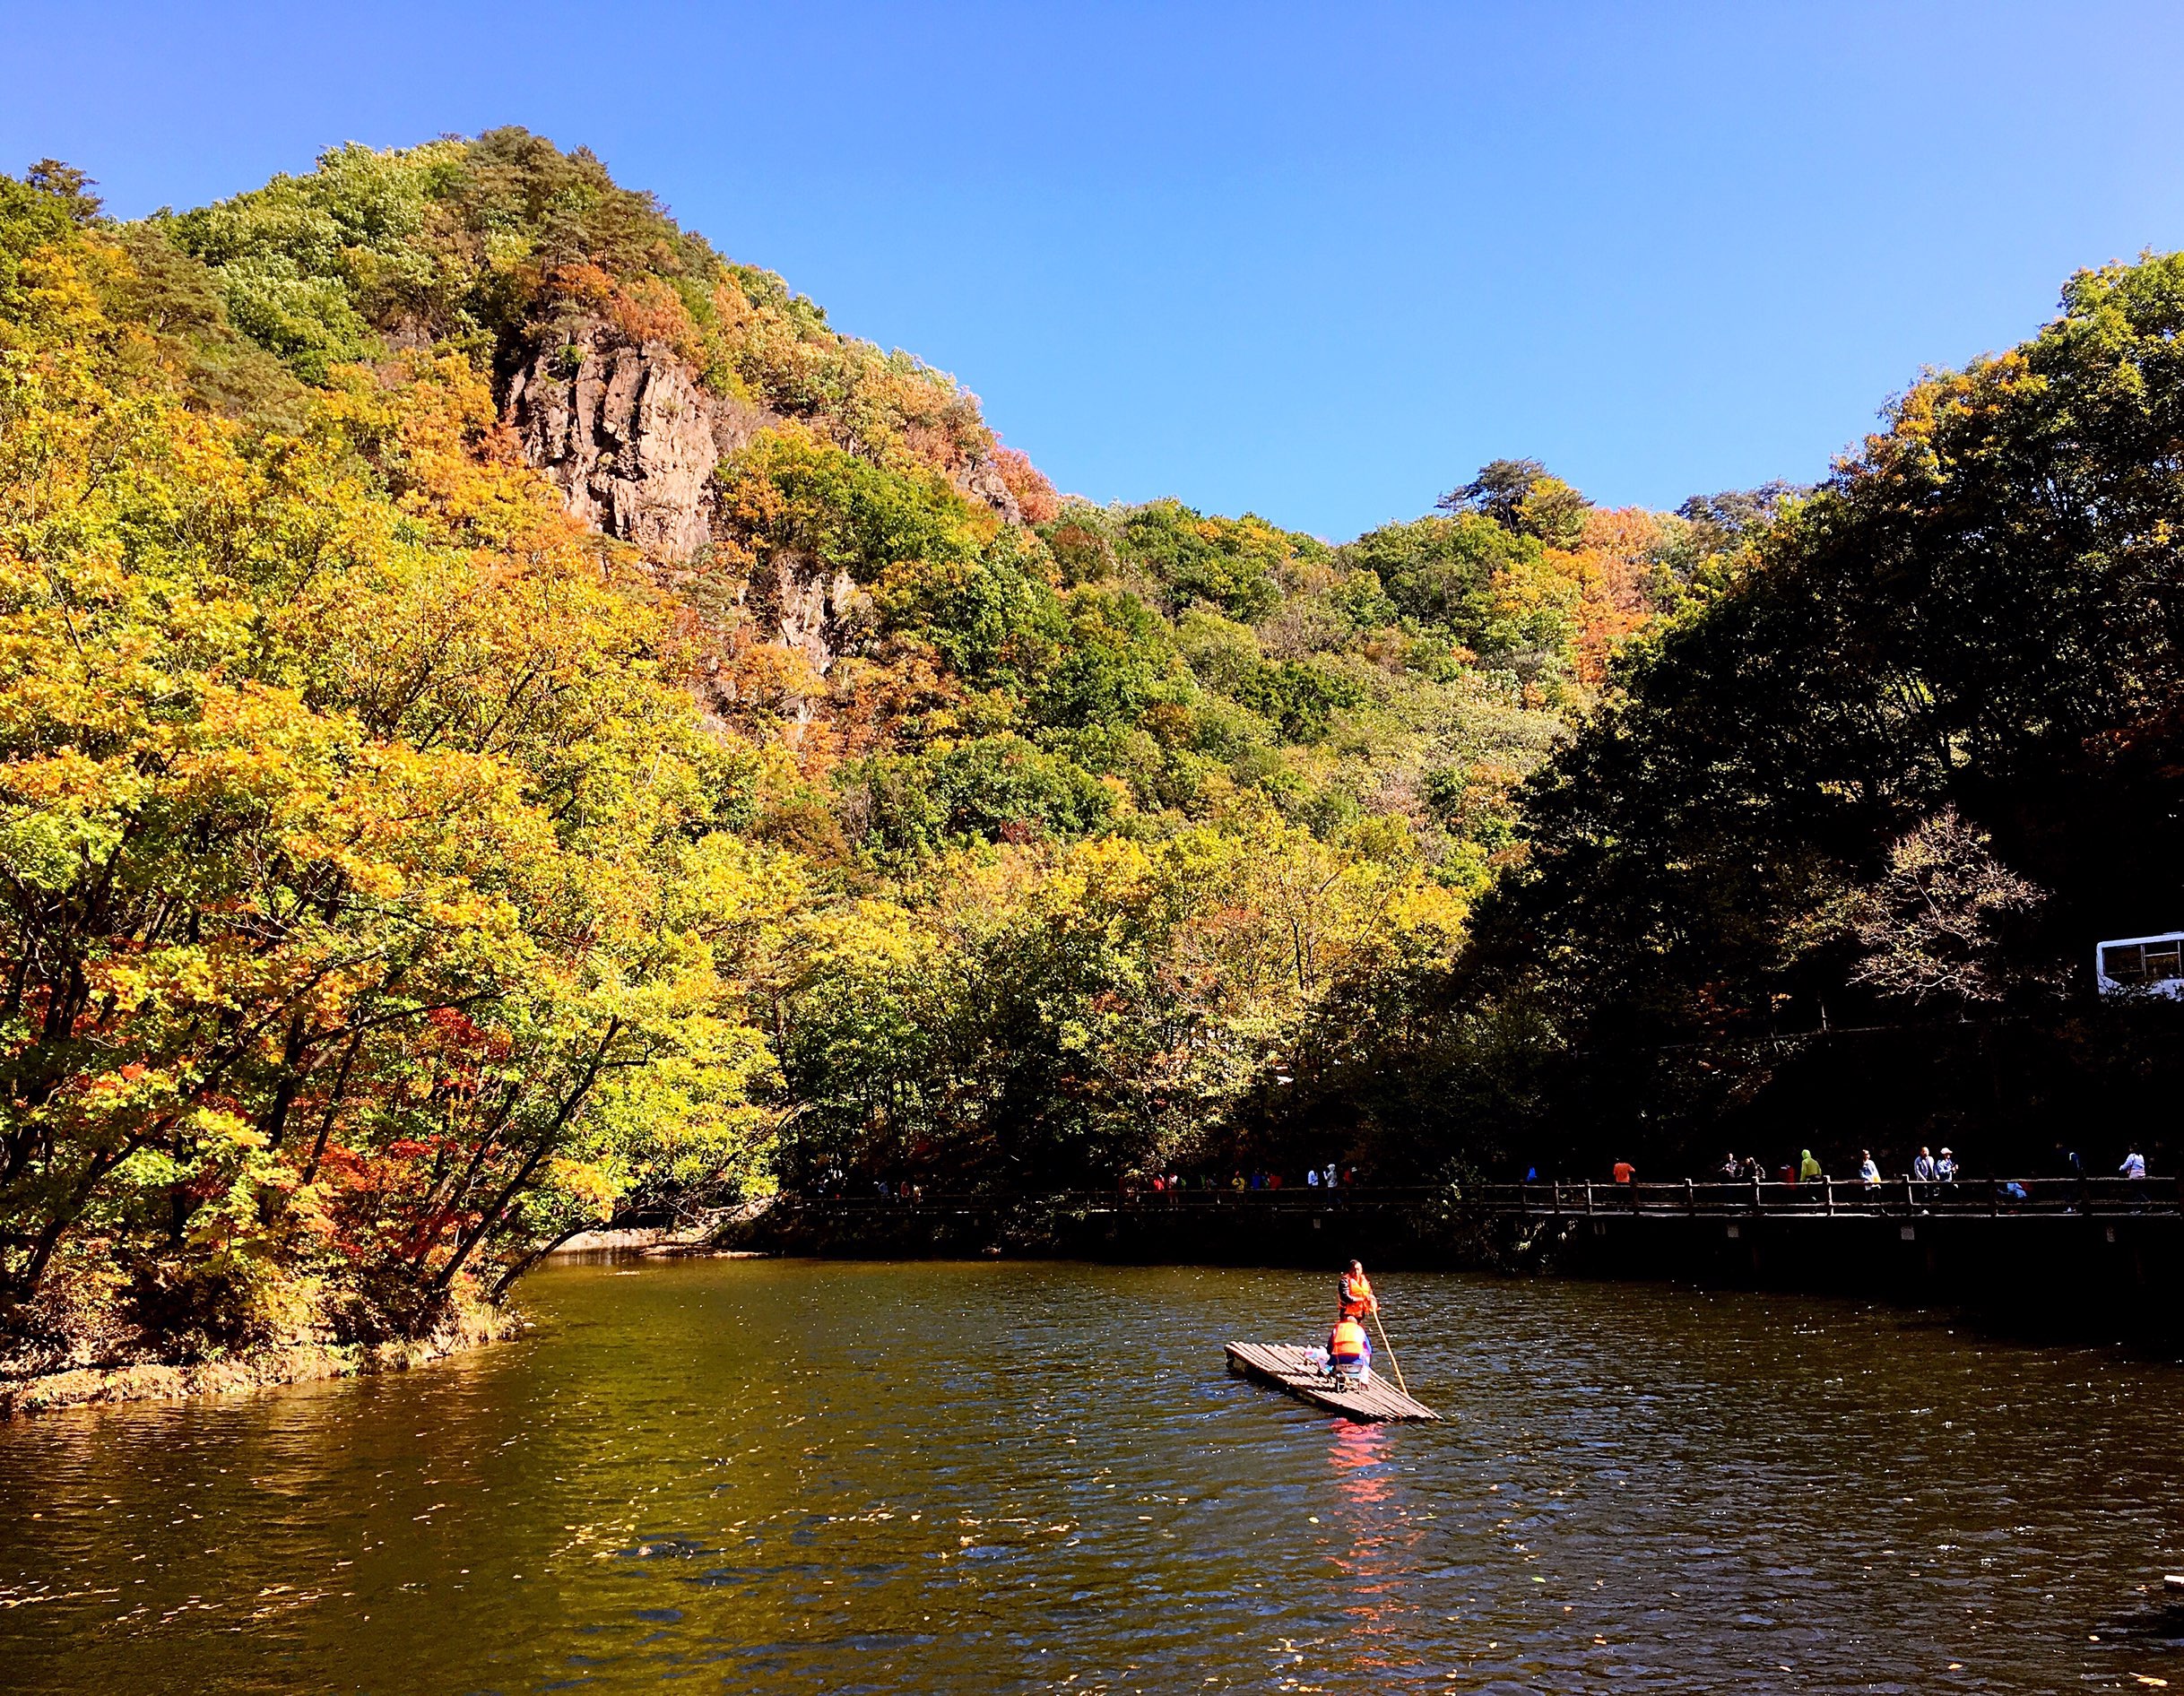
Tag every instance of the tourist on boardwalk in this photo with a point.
(1809, 1169)
(2070, 1164)
(1922, 1168)
(1869, 1173)
(1349, 1351)
(1328, 1177)
(2134, 1166)
(1625, 1172)
(1311, 1176)
(1355, 1299)
(1945, 1168)
(1732, 1168)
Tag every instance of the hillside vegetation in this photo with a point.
(508, 715)
(1829, 872)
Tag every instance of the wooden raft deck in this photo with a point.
(1288, 1367)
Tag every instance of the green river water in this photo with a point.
(763, 1476)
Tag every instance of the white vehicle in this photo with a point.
(2141, 965)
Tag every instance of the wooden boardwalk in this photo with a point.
(1829, 1198)
(1288, 1367)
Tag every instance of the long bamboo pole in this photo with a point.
(1386, 1344)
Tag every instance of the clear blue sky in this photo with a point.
(1259, 257)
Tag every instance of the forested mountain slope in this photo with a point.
(509, 713)
(1830, 872)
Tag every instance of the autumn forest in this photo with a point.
(510, 717)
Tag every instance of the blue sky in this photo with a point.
(1267, 258)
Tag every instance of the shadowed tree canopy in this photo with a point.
(1904, 766)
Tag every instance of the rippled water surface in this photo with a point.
(776, 1477)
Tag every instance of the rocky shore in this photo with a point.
(294, 1362)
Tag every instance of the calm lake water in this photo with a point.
(782, 1476)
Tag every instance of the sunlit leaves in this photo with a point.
(363, 908)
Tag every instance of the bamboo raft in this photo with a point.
(1288, 1367)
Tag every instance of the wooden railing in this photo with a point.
(1899, 1197)
(1845, 1198)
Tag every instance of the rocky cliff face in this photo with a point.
(809, 610)
(808, 615)
(982, 481)
(632, 439)
(630, 436)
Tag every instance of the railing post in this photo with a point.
(1587, 1195)
(1758, 1202)
(1691, 1199)
(1827, 1194)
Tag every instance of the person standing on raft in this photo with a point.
(1356, 1300)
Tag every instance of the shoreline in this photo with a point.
(261, 1369)
(2084, 1280)
(304, 1363)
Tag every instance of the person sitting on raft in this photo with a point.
(1349, 1351)
(1356, 1300)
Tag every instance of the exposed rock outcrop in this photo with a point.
(808, 609)
(982, 481)
(805, 616)
(630, 436)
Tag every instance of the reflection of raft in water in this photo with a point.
(1289, 1367)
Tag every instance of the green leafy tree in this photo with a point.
(1945, 677)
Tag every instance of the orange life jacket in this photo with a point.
(1356, 1296)
(1348, 1342)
